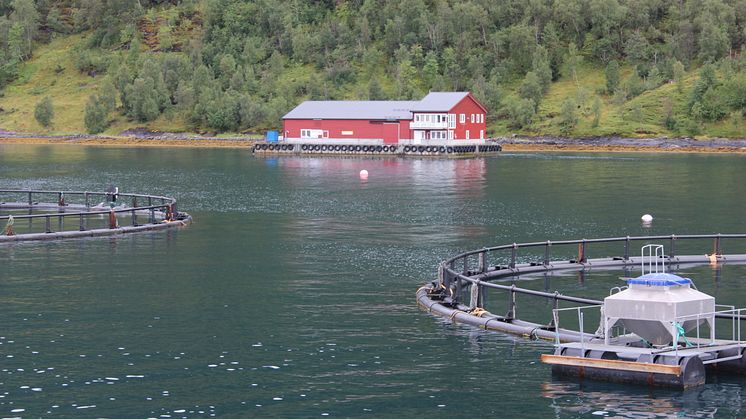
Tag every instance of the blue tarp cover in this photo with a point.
(659, 280)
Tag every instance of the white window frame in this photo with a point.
(313, 133)
(450, 132)
(467, 134)
(451, 120)
(438, 135)
(462, 118)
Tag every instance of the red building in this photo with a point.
(440, 117)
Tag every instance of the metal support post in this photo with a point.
(547, 252)
(483, 261)
(581, 252)
(511, 304)
(626, 249)
(513, 255)
(476, 292)
(672, 248)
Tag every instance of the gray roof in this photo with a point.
(439, 101)
(353, 109)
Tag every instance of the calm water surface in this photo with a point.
(292, 294)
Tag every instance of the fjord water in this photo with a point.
(292, 293)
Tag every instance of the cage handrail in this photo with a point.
(590, 241)
(448, 266)
(166, 202)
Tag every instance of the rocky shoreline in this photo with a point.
(144, 137)
(685, 144)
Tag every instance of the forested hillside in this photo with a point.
(572, 67)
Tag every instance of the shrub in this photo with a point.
(44, 112)
(96, 117)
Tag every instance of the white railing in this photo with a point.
(428, 125)
(579, 310)
(735, 314)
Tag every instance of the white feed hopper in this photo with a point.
(653, 306)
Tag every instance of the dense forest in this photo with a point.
(236, 65)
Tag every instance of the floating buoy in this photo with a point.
(363, 174)
(646, 218)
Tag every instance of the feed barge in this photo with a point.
(658, 330)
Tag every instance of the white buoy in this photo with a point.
(646, 218)
(363, 174)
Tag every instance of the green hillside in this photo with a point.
(562, 67)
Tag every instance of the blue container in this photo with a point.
(272, 136)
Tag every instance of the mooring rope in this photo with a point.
(9, 226)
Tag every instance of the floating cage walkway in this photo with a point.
(459, 295)
(27, 215)
(352, 149)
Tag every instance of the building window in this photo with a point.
(462, 118)
(438, 135)
(472, 118)
(314, 133)
(467, 134)
(451, 120)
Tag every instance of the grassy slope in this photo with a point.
(617, 119)
(69, 90)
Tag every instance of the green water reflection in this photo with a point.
(292, 294)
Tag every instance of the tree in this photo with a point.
(430, 70)
(734, 91)
(706, 80)
(669, 121)
(634, 85)
(612, 77)
(520, 112)
(44, 112)
(654, 79)
(553, 44)
(143, 100)
(713, 41)
(96, 118)
(108, 95)
(540, 66)
(572, 62)
(596, 109)
(678, 75)
(531, 89)
(637, 48)
(568, 118)
(25, 14)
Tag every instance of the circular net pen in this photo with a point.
(27, 215)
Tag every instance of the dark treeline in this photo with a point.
(230, 65)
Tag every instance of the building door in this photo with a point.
(391, 133)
